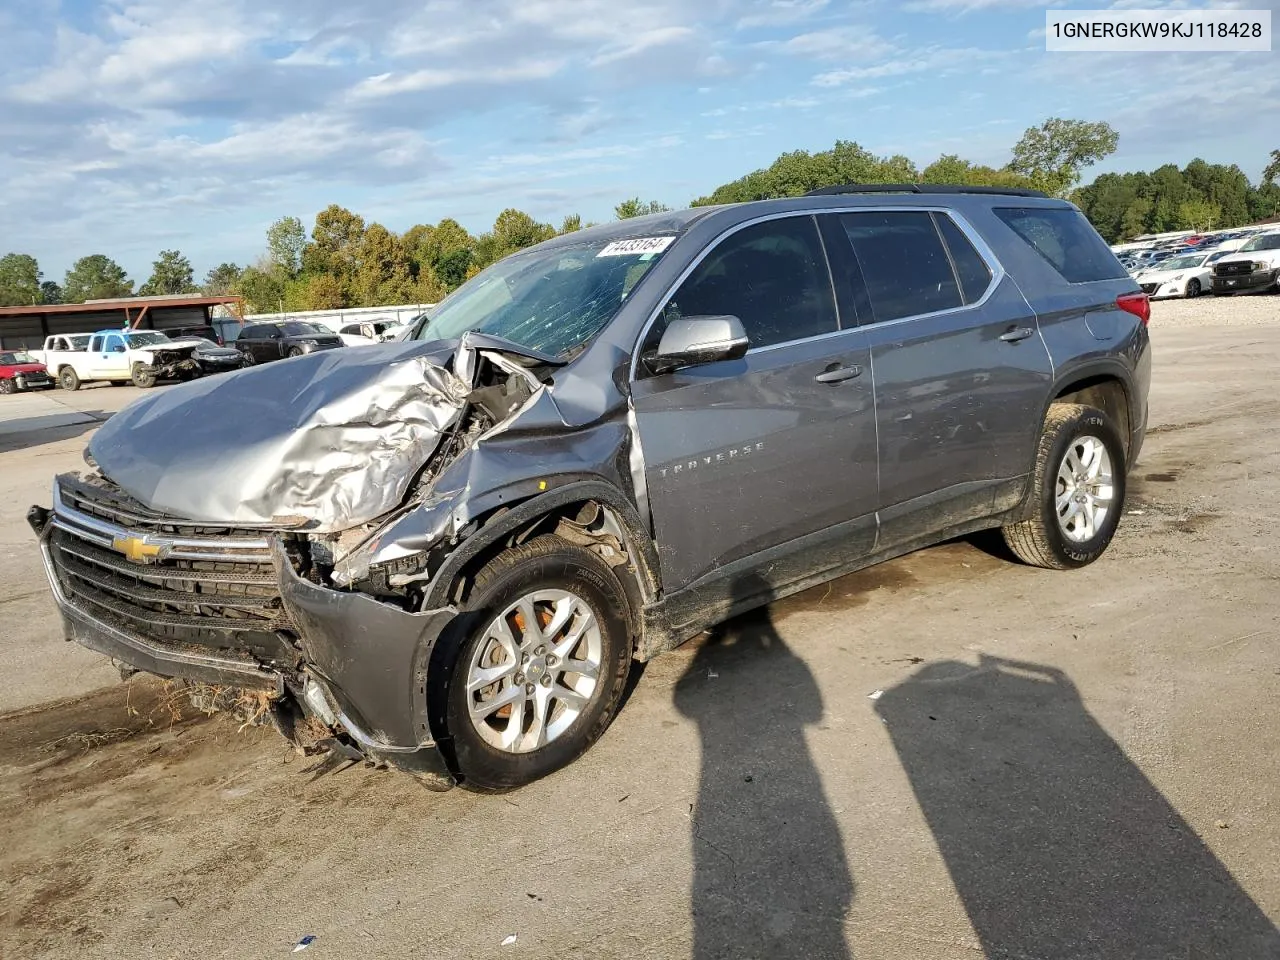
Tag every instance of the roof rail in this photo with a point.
(922, 188)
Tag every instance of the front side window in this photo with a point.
(299, 328)
(904, 263)
(114, 344)
(772, 276)
(553, 301)
(1267, 241)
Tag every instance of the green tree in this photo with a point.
(335, 242)
(19, 280)
(171, 275)
(384, 273)
(324, 292)
(286, 239)
(50, 292)
(262, 287)
(1198, 214)
(222, 279)
(1135, 221)
(571, 224)
(96, 277)
(949, 168)
(796, 173)
(1272, 172)
(635, 207)
(1054, 154)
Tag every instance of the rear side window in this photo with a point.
(772, 276)
(904, 263)
(971, 269)
(1065, 239)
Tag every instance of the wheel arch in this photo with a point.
(1106, 387)
(589, 512)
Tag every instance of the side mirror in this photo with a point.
(118, 348)
(690, 341)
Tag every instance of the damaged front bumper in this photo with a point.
(353, 663)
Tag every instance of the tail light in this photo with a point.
(1136, 303)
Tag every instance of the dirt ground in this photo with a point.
(947, 756)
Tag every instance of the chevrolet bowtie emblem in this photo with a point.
(136, 549)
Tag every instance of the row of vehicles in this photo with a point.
(145, 357)
(1245, 261)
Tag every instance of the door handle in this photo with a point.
(1016, 333)
(838, 374)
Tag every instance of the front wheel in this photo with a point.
(143, 376)
(1079, 490)
(540, 666)
(8, 386)
(295, 352)
(68, 379)
(1193, 288)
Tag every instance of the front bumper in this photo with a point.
(1246, 283)
(360, 665)
(32, 381)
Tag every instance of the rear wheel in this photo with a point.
(143, 376)
(1079, 490)
(1193, 288)
(8, 386)
(540, 666)
(68, 379)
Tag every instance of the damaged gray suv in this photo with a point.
(446, 553)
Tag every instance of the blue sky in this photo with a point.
(130, 126)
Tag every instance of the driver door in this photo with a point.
(108, 358)
(769, 452)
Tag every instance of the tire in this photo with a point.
(142, 376)
(1043, 540)
(552, 565)
(1193, 288)
(68, 379)
(294, 352)
(248, 359)
(8, 386)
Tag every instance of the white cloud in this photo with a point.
(835, 43)
(927, 60)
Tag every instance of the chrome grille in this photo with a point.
(167, 580)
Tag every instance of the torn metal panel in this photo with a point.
(323, 442)
(507, 465)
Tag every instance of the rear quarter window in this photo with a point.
(1066, 240)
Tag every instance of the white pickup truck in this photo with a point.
(121, 356)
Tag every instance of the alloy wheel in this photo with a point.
(1085, 489)
(534, 670)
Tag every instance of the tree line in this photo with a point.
(345, 262)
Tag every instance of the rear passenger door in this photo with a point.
(745, 456)
(961, 373)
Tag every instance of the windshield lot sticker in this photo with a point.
(629, 248)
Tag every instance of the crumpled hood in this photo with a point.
(322, 442)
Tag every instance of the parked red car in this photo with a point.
(21, 371)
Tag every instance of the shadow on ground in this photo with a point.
(770, 876)
(28, 432)
(1057, 843)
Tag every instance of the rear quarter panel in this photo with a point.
(1084, 331)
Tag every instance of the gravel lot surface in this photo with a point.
(1077, 765)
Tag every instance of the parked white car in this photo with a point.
(1186, 276)
(365, 332)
